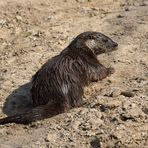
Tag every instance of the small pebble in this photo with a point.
(18, 18)
(127, 94)
(120, 16)
(95, 143)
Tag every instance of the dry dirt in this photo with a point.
(115, 113)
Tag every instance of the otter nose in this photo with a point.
(115, 44)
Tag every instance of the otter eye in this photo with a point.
(104, 40)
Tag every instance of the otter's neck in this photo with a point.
(83, 52)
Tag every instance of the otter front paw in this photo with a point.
(110, 71)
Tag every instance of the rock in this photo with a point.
(2, 131)
(120, 16)
(95, 123)
(145, 110)
(131, 112)
(37, 33)
(127, 94)
(126, 9)
(18, 18)
(2, 22)
(95, 143)
(82, 1)
(51, 137)
(115, 93)
(106, 103)
(75, 125)
(49, 18)
(143, 4)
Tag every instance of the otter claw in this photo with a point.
(111, 71)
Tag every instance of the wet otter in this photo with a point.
(58, 85)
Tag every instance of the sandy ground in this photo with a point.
(115, 113)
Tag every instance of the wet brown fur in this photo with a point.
(58, 85)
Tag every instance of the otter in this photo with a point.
(58, 85)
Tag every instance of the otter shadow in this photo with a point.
(18, 101)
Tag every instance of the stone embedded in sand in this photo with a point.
(2, 22)
(51, 137)
(115, 93)
(95, 143)
(127, 94)
(18, 18)
(131, 112)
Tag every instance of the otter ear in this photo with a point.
(91, 43)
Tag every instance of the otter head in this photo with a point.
(97, 42)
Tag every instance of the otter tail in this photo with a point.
(37, 113)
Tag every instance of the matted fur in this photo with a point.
(58, 85)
